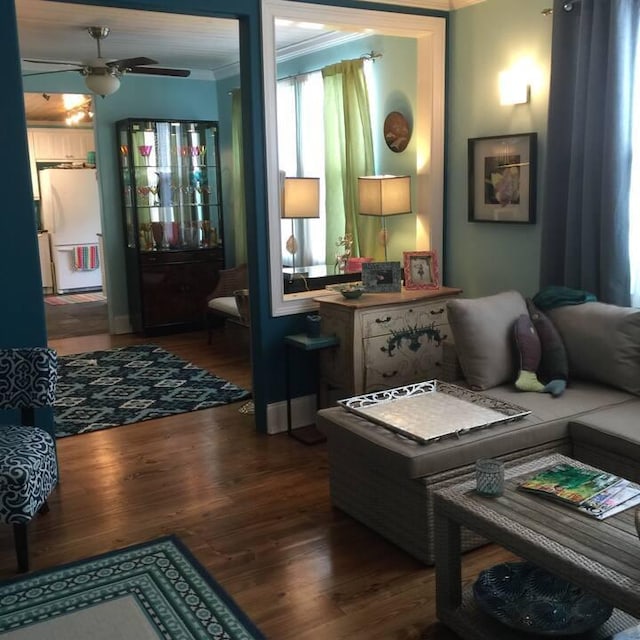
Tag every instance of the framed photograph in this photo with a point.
(420, 270)
(381, 277)
(502, 178)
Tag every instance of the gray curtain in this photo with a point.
(585, 232)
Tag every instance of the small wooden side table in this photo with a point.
(308, 434)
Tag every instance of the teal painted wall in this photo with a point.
(485, 39)
(138, 96)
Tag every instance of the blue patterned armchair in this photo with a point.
(28, 463)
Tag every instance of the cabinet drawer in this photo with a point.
(393, 364)
(400, 318)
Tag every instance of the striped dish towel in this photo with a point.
(85, 257)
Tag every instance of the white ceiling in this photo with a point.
(207, 46)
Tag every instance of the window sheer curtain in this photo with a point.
(634, 198)
(347, 118)
(301, 153)
(237, 180)
(587, 219)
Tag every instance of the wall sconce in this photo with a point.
(514, 87)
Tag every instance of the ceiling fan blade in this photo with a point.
(68, 64)
(129, 63)
(159, 71)
(45, 73)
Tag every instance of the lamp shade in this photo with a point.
(301, 198)
(384, 195)
(103, 84)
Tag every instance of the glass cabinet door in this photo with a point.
(170, 182)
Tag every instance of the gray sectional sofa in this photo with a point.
(387, 481)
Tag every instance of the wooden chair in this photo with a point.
(230, 298)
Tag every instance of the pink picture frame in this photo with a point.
(421, 270)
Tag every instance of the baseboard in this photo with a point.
(303, 412)
(119, 325)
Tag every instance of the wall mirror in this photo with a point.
(426, 86)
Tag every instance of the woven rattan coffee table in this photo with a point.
(602, 556)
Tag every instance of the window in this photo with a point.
(634, 195)
(301, 154)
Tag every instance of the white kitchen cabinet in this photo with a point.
(386, 339)
(62, 145)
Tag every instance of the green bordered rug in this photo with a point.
(145, 592)
(101, 389)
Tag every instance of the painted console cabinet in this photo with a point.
(386, 340)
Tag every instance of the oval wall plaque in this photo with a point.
(396, 132)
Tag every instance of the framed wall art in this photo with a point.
(502, 178)
(381, 277)
(420, 270)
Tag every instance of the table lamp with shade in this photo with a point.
(300, 200)
(384, 196)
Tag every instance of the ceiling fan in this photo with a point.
(103, 76)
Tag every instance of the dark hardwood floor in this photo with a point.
(82, 319)
(254, 509)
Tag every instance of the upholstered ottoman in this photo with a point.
(387, 481)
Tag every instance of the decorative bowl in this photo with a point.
(530, 599)
(352, 292)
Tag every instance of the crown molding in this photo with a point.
(461, 4)
(436, 5)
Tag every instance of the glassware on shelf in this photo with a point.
(145, 151)
(146, 237)
(143, 192)
(205, 227)
(157, 230)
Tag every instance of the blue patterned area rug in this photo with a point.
(149, 591)
(102, 389)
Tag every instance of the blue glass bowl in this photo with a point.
(530, 599)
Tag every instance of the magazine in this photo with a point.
(569, 483)
(618, 497)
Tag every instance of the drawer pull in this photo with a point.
(439, 312)
(390, 375)
(383, 320)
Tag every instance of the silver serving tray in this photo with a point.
(432, 410)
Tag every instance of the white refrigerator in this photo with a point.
(70, 212)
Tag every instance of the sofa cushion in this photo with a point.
(580, 397)
(615, 430)
(602, 343)
(482, 331)
(554, 364)
(226, 305)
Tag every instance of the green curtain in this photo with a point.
(347, 118)
(237, 180)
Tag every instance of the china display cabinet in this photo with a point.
(173, 223)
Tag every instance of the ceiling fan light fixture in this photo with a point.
(104, 84)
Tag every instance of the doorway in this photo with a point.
(62, 157)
